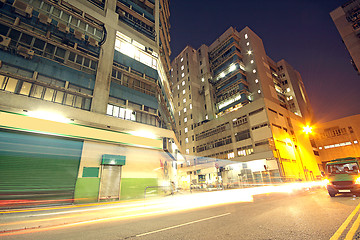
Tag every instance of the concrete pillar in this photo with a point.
(103, 74)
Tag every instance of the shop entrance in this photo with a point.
(110, 182)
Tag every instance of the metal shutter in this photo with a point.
(38, 167)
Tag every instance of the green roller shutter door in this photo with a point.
(38, 167)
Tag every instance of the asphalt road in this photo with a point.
(302, 215)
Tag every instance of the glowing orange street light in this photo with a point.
(307, 129)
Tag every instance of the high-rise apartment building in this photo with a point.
(102, 67)
(347, 21)
(233, 102)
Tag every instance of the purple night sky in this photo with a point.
(301, 32)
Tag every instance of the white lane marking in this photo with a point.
(180, 225)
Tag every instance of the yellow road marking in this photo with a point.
(341, 229)
(353, 229)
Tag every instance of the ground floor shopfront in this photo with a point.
(51, 162)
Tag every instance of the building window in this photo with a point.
(183, 74)
(246, 36)
(183, 83)
(184, 91)
(182, 67)
(185, 119)
(184, 110)
(182, 59)
(254, 71)
(190, 106)
(187, 140)
(184, 100)
(256, 80)
(187, 151)
(186, 130)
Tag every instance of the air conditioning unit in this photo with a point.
(25, 52)
(22, 8)
(44, 19)
(79, 35)
(93, 42)
(4, 41)
(63, 28)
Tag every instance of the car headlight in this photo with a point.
(357, 180)
(327, 182)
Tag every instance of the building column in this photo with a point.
(103, 73)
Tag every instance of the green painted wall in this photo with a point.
(87, 190)
(133, 188)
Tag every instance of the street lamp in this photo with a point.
(307, 129)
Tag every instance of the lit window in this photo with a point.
(172, 69)
(182, 67)
(247, 44)
(185, 119)
(232, 68)
(246, 36)
(222, 74)
(183, 83)
(178, 87)
(179, 113)
(202, 79)
(186, 130)
(291, 97)
(249, 52)
(231, 155)
(256, 80)
(184, 100)
(187, 140)
(206, 117)
(320, 148)
(182, 59)
(187, 151)
(288, 89)
(252, 61)
(254, 71)
(190, 106)
(183, 74)
(356, 142)
(184, 91)
(184, 110)
(259, 91)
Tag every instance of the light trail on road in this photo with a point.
(148, 208)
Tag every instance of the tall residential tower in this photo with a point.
(347, 21)
(233, 102)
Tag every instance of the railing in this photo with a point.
(169, 188)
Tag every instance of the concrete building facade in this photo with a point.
(233, 102)
(102, 67)
(338, 138)
(347, 21)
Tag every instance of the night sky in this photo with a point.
(301, 32)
